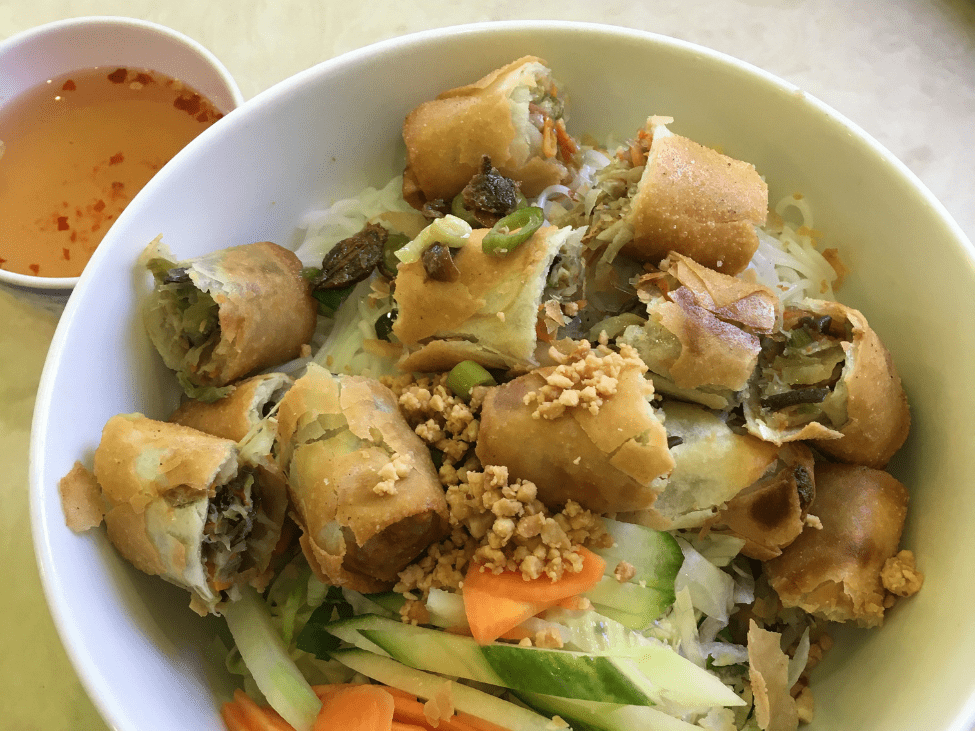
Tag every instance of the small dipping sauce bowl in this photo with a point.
(138, 53)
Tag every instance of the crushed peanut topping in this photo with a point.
(439, 418)
(414, 612)
(514, 530)
(584, 378)
(549, 638)
(624, 571)
(396, 469)
(900, 576)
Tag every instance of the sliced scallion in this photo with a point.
(465, 376)
(512, 231)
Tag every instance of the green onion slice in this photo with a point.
(466, 375)
(512, 231)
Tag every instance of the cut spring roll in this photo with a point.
(182, 505)
(363, 487)
(238, 414)
(219, 317)
(712, 464)
(490, 312)
(514, 115)
(602, 446)
(829, 379)
(666, 193)
(701, 339)
(836, 572)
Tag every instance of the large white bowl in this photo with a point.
(335, 128)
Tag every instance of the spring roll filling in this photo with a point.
(230, 531)
(799, 379)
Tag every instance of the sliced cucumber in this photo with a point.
(554, 672)
(656, 558)
(425, 685)
(590, 716)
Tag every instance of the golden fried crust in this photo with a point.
(233, 416)
(878, 417)
(342, 432)
(835, 572)
(606, 462)
(266, 313)
(698, 202)
(771, 514)
(81, 499)
(446, 137)
(468, 309)
(139, 460)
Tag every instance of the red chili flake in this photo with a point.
(144, 78)
(116, 159)
(74, 236)
(67, 254)
(36, 268)
(189, 104)
(118, 76)
(63, 223)
(2, 261)
(202, 117)
(99, 206)
(68, 85)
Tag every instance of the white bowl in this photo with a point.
(335, 128)
(30, 58)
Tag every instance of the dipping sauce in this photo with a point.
(75, 151)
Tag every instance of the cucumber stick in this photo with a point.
(636, 676)
(656, 558)
(589, 716)
(553, 672)
(425, 685)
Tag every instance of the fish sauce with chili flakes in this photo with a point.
(75, 150)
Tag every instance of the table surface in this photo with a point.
(904, 70)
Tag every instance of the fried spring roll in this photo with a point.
(607, 460)
(491, 311)
(238, 414)
(363, 487)
(712, 464)
(835, 572)
(514, 115)
(183, 506)
(219, 317)
(831, 380)
(770, 514)
(674, 194)
(701, 340)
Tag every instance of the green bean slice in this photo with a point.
(465, 376)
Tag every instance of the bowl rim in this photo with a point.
(54, 285)
(94, 683)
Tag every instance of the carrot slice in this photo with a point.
(243, 714)
(496, 603)
(412, 713)
(359, 708)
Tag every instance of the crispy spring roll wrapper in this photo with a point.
(495, 116)
(183, 506)
(712, 464)
(768, 673)
(608, 462)
(701, 340)
(864, 418)
(238, 414)
(363, 487)
(696, 201)
(490, 313)
(665, 193)
(835, 572)
(252, 310)
(771, 514)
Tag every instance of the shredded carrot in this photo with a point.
(401, 726)
(567, 145)
(549, 142)
(243, 714)
(411, 712)
(497, 603)
(357, 708)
